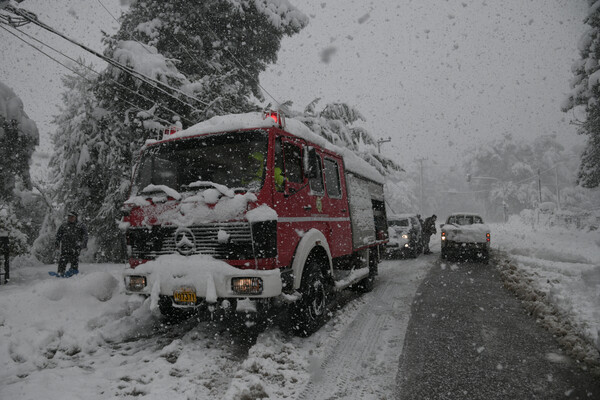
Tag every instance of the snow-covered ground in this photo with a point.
(556, 272)
(84, 338)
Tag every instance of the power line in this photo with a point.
(77, 72)
(116, 64)
(130, 35)
(46, 54)
(92, 70)
(110, 79)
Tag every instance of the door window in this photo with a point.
(316, 183)
(332, 178)
(293, 162)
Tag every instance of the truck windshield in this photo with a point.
(234, 159)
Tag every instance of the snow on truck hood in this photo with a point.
(206, 206)
(233, 122)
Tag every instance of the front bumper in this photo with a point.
(210, 280)
(464, 247)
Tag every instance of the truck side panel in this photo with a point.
(361, 210)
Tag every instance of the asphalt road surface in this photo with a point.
(470, 338)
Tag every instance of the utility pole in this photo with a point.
(539, 186)
(389, 139)
(421, 184)
(556, 181)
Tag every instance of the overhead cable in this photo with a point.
(113, 62)
(97, 73)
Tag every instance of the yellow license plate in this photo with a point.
(185, 296)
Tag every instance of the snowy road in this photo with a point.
(361, 355)
(469, 337)
(83, 338)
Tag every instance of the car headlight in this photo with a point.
(405, 236)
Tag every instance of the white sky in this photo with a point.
(434, 75)
(437, 75)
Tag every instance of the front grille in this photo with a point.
(150, 243)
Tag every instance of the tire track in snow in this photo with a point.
(361, 360)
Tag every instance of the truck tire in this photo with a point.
(308, 313)
(485, 256)
(414, 252)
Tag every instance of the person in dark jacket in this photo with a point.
(428, 230)
(71, 237)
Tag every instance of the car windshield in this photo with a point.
(465, 220)
(234, 159)
(400, 223)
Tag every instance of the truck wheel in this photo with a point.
(308, 313)
(367, 284)
(485, 256)
(414, 253)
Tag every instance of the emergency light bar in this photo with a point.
(277, 116)
(172, 130)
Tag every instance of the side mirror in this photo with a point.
(310, 161)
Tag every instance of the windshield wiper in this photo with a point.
(151, 189)
(224, 190)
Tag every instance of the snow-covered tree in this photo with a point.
(18, 137)
(202, 58)
(586, 93)
(9, 223)
(336, 122)
(506, 171)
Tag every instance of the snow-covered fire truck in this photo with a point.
(249, 211)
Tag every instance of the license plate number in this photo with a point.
(185, 296)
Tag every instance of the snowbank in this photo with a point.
(555, 271)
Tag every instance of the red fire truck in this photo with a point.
(249, 211)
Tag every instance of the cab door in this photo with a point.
(291, 198)
(335, 207)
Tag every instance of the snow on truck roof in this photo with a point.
(232, 122)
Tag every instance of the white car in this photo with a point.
(465, 234)
(405, 236)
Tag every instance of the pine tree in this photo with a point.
(586, 92)
(336, 123)
(506, 171)
(18, 138)
(210, 55)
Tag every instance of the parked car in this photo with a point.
(465, 234)
(405, 236)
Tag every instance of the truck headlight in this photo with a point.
(135, 283)
(251, 285)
